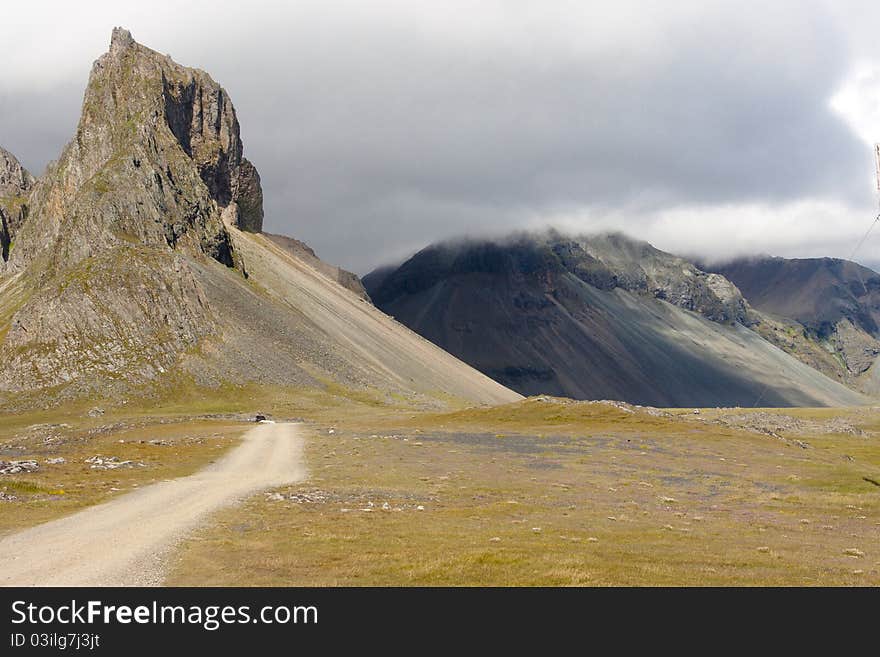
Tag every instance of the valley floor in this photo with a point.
(540, 492)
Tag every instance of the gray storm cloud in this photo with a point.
(379, 129)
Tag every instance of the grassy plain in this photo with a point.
(552, 492)
(539, 492)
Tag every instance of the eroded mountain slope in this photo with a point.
(824, 311)
(289, 323)
(597, 317)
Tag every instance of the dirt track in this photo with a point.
(125, 542)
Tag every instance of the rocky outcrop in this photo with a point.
(858, 348)
(14, 178)
(615, 260)
(156, 159)
(154, 168)
(15, 187)
(248, 195)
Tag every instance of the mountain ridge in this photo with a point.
(304, 252)
(834, 304)
(597, 317)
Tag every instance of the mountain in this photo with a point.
(15, 187)
(138, 260)
(375, 279)
(303, 251)
(593, 317)
(826, 311)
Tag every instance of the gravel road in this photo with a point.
(126, 542)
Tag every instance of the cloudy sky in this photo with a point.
(707, 128)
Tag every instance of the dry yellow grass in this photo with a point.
(547, 492)
(59, 489)
(558, 493)
(198, 424)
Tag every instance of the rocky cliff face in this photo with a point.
(154, 174)
(14, 178)
(614, 260)
(157, 160)
(15, 188)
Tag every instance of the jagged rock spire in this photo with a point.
(153, 181)
(15, 187)
(157, 159)
(14, 178)
(120, 40)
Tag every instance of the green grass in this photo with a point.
(9, 484)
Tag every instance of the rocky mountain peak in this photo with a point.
(153, 182)
(157, 159)
(196, 109)
(15, 187)
(120, 40)
(128, 276)
(14, 178)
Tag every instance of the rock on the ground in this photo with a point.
(111, 463)
(16, 467)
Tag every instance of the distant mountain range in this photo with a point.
(607, 316)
